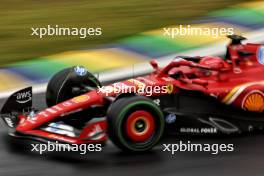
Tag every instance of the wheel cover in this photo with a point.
(140, 126)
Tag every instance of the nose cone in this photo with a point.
(63, 109)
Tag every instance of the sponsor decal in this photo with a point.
(221, 125)
(199, 130)
(61, 126)
(96, 133)
(137, 82)
(171, 118)
(80, 99)
(170, 88)
(254, 101)
(80, 70)
(60, 129)
(9, 122)
(157, 102)
(260, 55)
(23, 97)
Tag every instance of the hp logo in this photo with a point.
(80, 70)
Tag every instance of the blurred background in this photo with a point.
(117, 18)
(132, 32)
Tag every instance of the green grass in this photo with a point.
(117, 18)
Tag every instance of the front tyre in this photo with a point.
(68, 83)
(135, 124)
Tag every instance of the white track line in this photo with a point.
(256, 36)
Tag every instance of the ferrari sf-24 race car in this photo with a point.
(191, 95)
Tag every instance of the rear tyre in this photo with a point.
(135, 124)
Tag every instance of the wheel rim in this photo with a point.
(140, 126)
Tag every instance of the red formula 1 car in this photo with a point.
(191, 95)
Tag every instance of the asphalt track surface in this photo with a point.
(16, 158)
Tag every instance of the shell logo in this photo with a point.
(254, 102)
(81, 99)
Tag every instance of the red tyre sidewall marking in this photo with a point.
(148, 131)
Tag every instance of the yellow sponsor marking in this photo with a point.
(170, 88)
(137, 82)
(230, 95)
(80, 99)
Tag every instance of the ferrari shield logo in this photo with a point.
(170, 88)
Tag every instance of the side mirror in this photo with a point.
(236, 39)
(154, 64)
